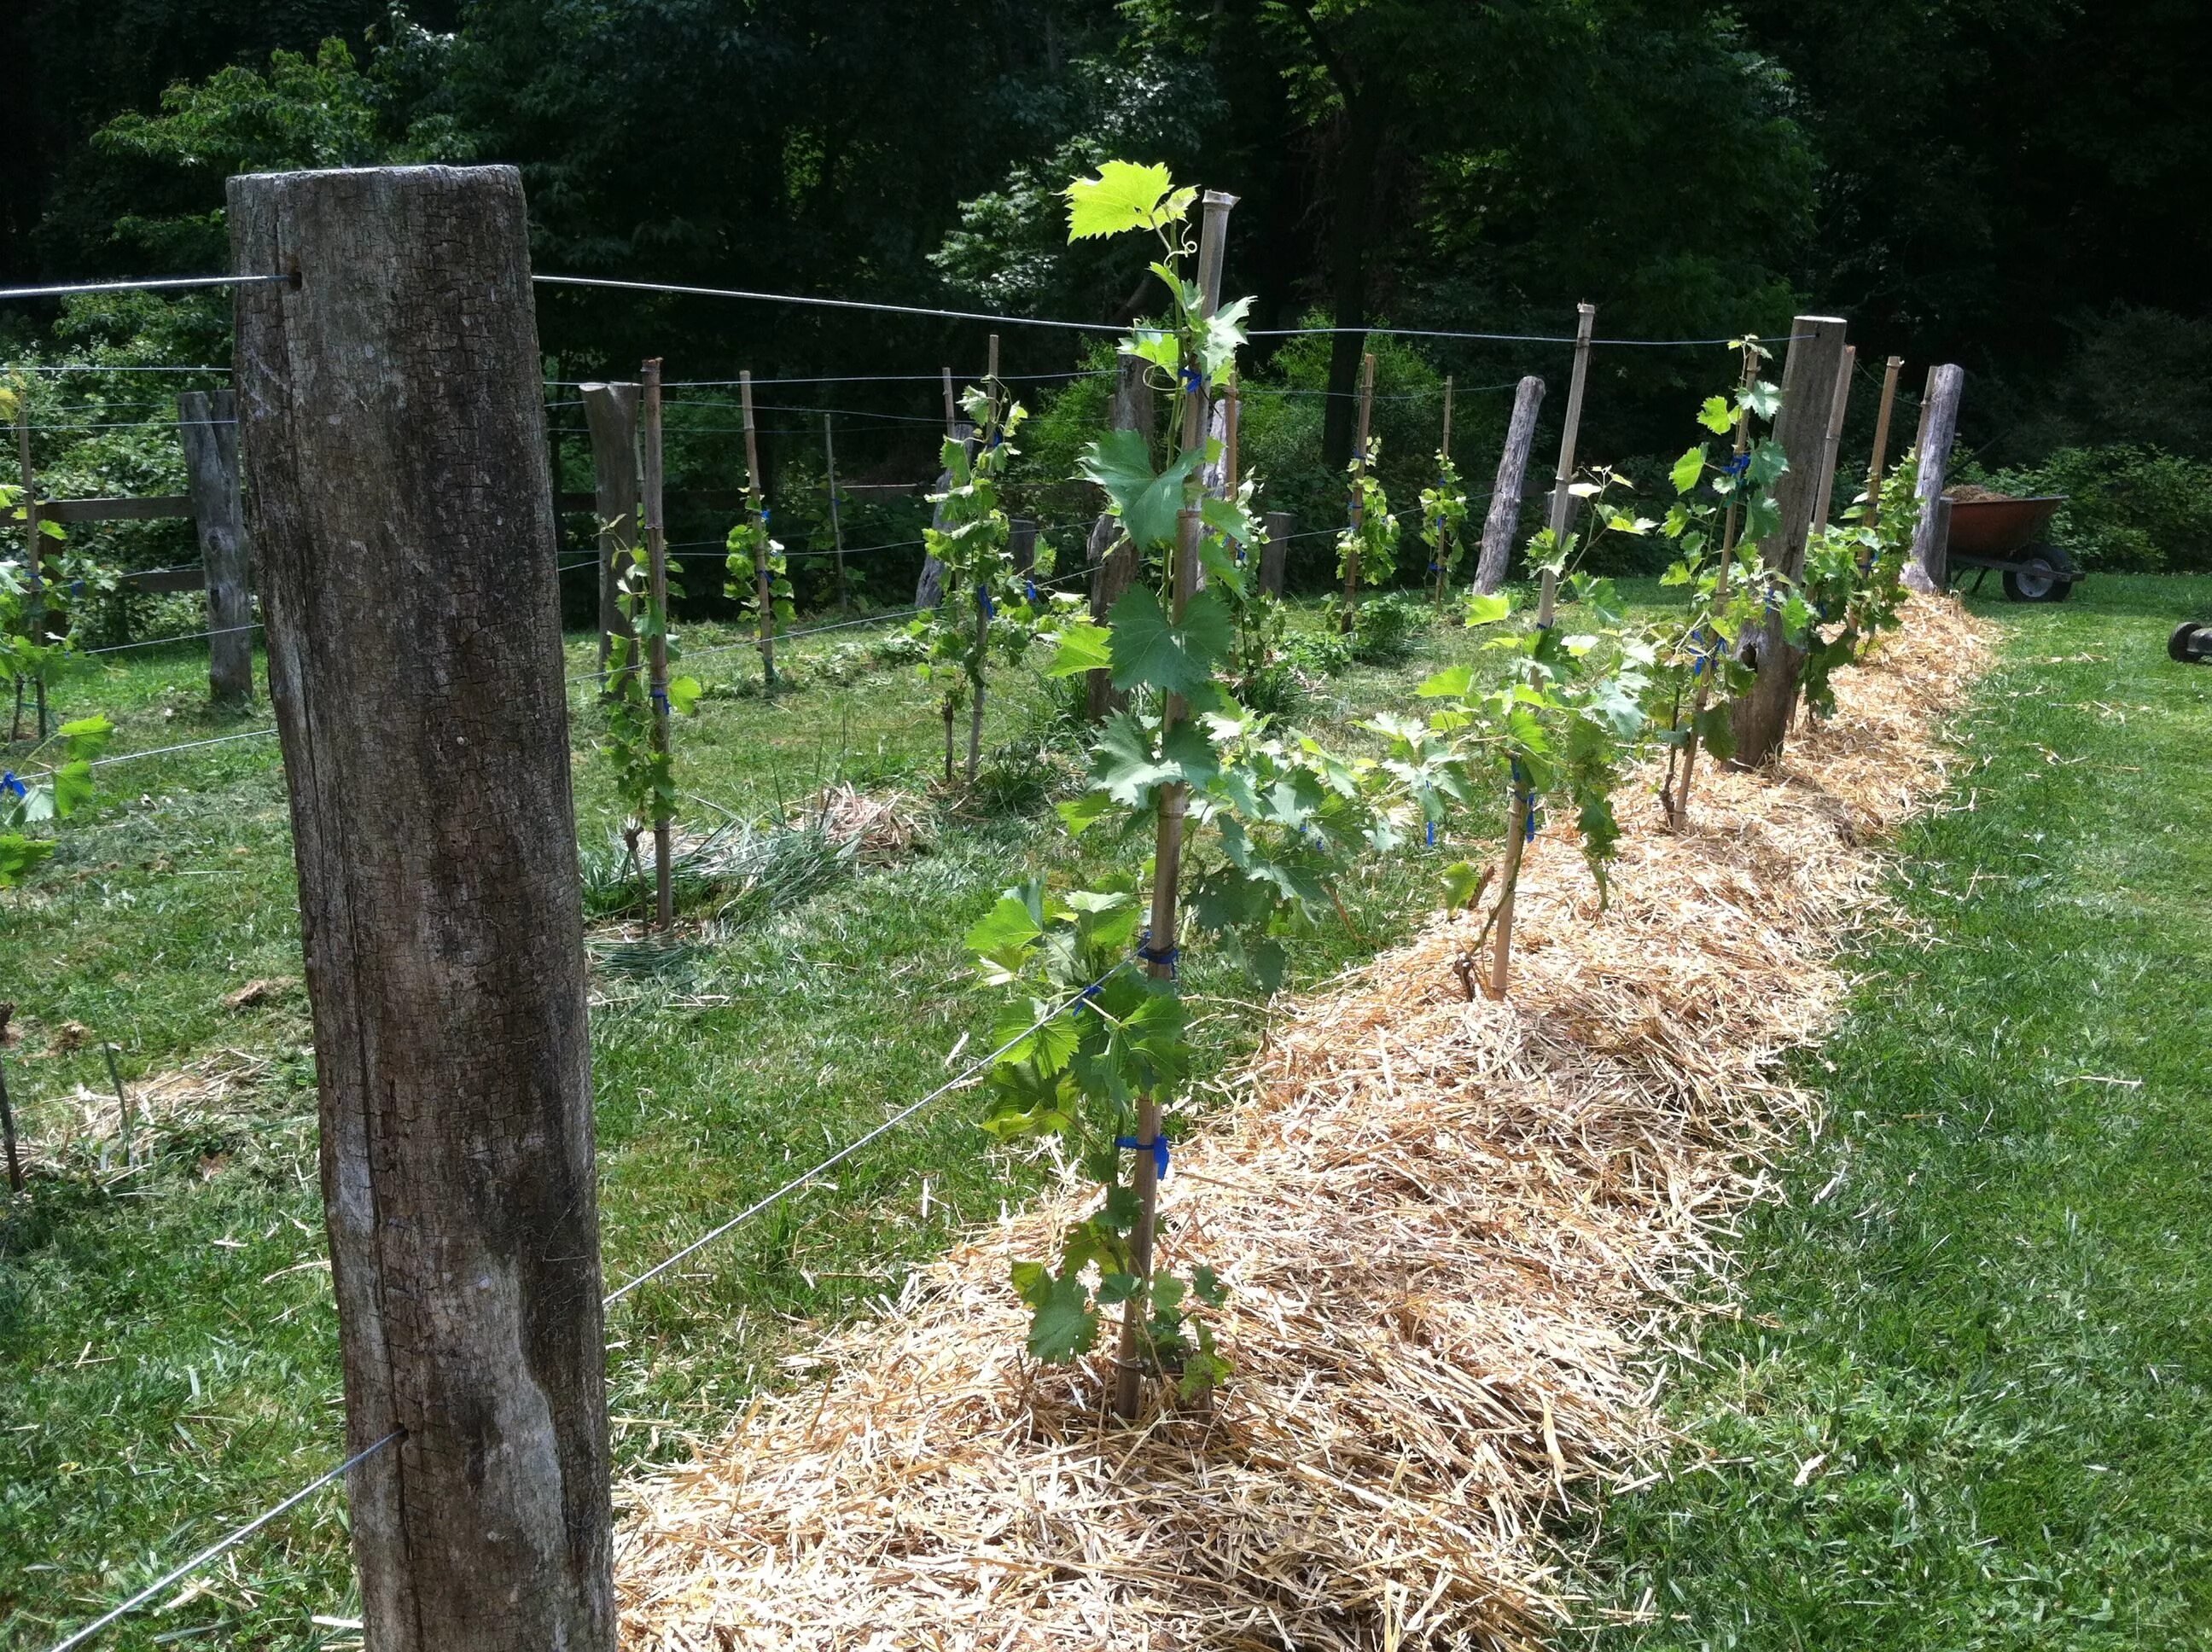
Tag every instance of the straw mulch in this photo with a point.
(1454, 1233)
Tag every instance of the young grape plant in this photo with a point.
(1444, 523)
(635, 739)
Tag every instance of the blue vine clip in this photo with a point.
(1029, 586)
(1527, 803)
(1737, 465)
(1158, 1147)
(1432, 835)
(1166, 955)
(983, 601)
(1705, 647)
(1194, 381)
(10, 783)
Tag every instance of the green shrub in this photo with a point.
(2130, 508)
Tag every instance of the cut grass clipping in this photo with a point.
(1450, 1231)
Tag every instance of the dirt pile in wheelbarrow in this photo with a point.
(1454, 1233)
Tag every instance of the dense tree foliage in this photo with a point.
(1992, 181)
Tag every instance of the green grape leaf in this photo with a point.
(1150, 652)
(1689, 470)
(1449, 683)
(1718, 416)
(1147, 501)
(1065, 1324)
(1487, 610)
(1462, 883)
(1080, 814)
(20, 857)
(1001, 940)
(684, 694)
(1124, 196)
(1082, 646)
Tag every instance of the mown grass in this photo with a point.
(167, 1348)
(1969, 1404)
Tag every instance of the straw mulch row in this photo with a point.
(1453, 1233)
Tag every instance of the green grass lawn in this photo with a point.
(167, 1347)
(1969, 1403)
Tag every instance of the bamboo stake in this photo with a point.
(656, 573)
(33, 572)
(1235, 401)
(1167, 854)
(1350, 620)
(836, 523)
(1824, 498)
(8, 1123)
(122, 1105)
(764, 586)
(1444, 457)
(983, 592)
(1677, 803)
(1881, 438)
(951, 407)
(1517, 831)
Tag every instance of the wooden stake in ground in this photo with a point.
(1502, 519)
(1926, 569)
(610, 414)
(1881, 438)
(1675, 797)
(207, 425)
(8, 1121)
(982, 595)
(653, 489)
(1824, 498)
(1349, 622)
(1444, 457)
(764, 577)
(392, 406)
(836, 522)
(1113, 558)
(122, 1106)
(34, 581)
(1809, 370)
(1167, 851)
(1521, 811)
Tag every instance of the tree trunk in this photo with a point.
(1762, 717)
(1502, 526)
(207, 424)
(1353, 203)
(1281, 525)
(1925, 570)
(611, 412)
(402, 503)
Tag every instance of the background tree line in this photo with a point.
(1994, 182)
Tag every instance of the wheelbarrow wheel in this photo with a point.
(2046, 574)
(2190, 643)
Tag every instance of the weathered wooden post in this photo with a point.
(1562, 520)
(207, 426)
(1503, 519)
(1167, 851)
(610, 415)
(1281, 525)
(763, 580)
(980, 595)
(1113, 559)
(401, 505)
(1926, 570)
(1021, 544)
(7, 1111)
(1761, 717)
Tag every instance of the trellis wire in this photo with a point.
(967, 1077)
(157, 283)
(230, 1541)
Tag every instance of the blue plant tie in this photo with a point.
(1433, 568)
(983, 601)
(1164, 955)
(765, 514)
(1158, 1147)
(1527, 803)
(10, 783)
(1432, 835)
(661, 698)
(1029, 586)
(1704, 646)
(1737, 465)
(1194, 381)
(1075, 1004)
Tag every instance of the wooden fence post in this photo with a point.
(1281, 525)
(836, 521)
(401, 505)
(1167, 854)
(652, 491)
(1881, 438)
(1761, 718)
(980, 595)
(1021, 544)
(763, 581)
(1563, 516)
(1113, 558)
(1503, 521)
(610, 414)
(1926, 570)
(207, 426)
